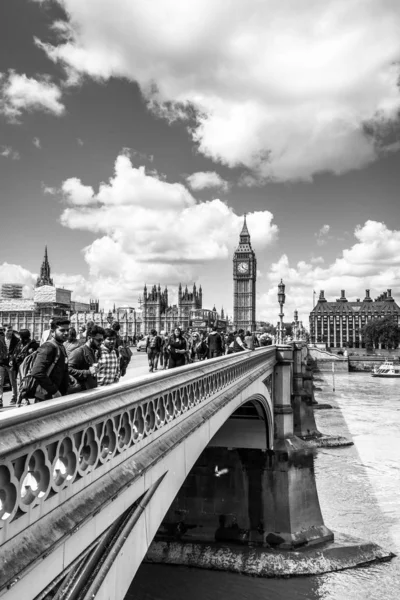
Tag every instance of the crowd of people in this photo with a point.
(63, 363)
(184, 347)
(66, 361)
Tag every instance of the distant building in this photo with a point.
(48, 300)
(340, 323)
(244, 283)
(11, 290)
(128, 318)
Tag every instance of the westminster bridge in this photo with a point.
(86, 481)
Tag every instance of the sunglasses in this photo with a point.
(63, 330)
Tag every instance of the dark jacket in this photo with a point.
(21, 352)
(176, 344)
(79, 362)
(58, 379)
(10, 357)
(153, 343)
(214, 342)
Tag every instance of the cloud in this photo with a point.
(207, 179)
(36, 142)
(52, 191)
(322, 235)
(372, 262)
(284, 89)
(8, 152)
(10, 273)
(79, 141)
(148, 229)
(19, 93)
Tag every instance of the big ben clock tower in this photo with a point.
(244, 283)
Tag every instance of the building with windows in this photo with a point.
(11, 291)
(339, 324)
(244, 283)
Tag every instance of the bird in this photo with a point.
(218, 472)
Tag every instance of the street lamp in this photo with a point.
(296, 326)
(281, 300)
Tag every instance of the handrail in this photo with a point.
(54, 446)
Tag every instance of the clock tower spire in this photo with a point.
(244, 282)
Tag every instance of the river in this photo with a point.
(359, 492)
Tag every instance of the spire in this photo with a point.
(244, 241)
(245, 231)
(45, 272)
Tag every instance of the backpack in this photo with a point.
(153, 341)
(3, 351)
(28, 385)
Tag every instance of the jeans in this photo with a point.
(13, 379)
(153, 358)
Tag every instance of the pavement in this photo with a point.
(137, 367)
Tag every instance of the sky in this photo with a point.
(134, 136)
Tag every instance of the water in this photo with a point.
(359, 492)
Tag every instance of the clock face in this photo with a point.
(243, 267)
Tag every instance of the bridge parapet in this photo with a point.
(52, 452)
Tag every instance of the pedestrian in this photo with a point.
(153, 349)
(25, 346)
(239, 344)
(248, 340)
(50, 368)
(47, 333)
(108, 365)
(214, 343)
(117, 328)
(7, 365)
(200, 346)
(125, 355)
(72, 341)
(164, 352)
(82, 363)
(177, 348)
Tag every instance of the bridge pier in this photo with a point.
(304, 425)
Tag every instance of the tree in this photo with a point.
(268, 327)
(384, 331)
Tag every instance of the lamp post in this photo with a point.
(296, 326)
(281, 300)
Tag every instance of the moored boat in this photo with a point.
(387, 369)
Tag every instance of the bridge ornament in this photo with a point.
(63, 445)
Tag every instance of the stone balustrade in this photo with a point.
(49, 452)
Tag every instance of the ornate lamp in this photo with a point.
(281, 300)
(296, 326)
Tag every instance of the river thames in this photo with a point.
(359, 492)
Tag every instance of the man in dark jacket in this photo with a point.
(82, 360)
(214, 343)
(7, 363)
(51, 365)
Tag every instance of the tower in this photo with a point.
(44, 277)
(244, 283)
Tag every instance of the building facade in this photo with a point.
(339, 324)
(128, 318)
(244, 283)
(159, 315)
(11, 291)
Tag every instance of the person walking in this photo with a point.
(72, 342)
(153, 349)
(164, 353)
(108, 365)
(47, 333)
(239, 344)
(200, 347)
(50, 368)
(25, 347)
(125, 356)
(82, 363)
(249, 340)
(7, 365)
(214, 343)
(177, 346)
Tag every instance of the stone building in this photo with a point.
(338, 324)
(244, 283)
(34, 313)
(128, 318)
(159, 315)
(10, 291)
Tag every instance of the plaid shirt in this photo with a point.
(109, 371)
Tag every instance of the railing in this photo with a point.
(51, 451)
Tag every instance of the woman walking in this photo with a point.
(177, 347)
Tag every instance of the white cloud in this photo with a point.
(52, 191)
(19, 93)
(79, 141)
(36, 142)
(285, 89)
(322, 235)
(151, 230)
(372, 262)
(10, 273)
(8, 152)
(207, 179)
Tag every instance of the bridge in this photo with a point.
(87, 481)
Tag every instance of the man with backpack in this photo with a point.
(153, 349)
(50, 367)
(82, 363)
(214, 343)
(10, 341)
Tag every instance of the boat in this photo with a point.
(386, 369)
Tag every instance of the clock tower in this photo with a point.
(244, 283)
